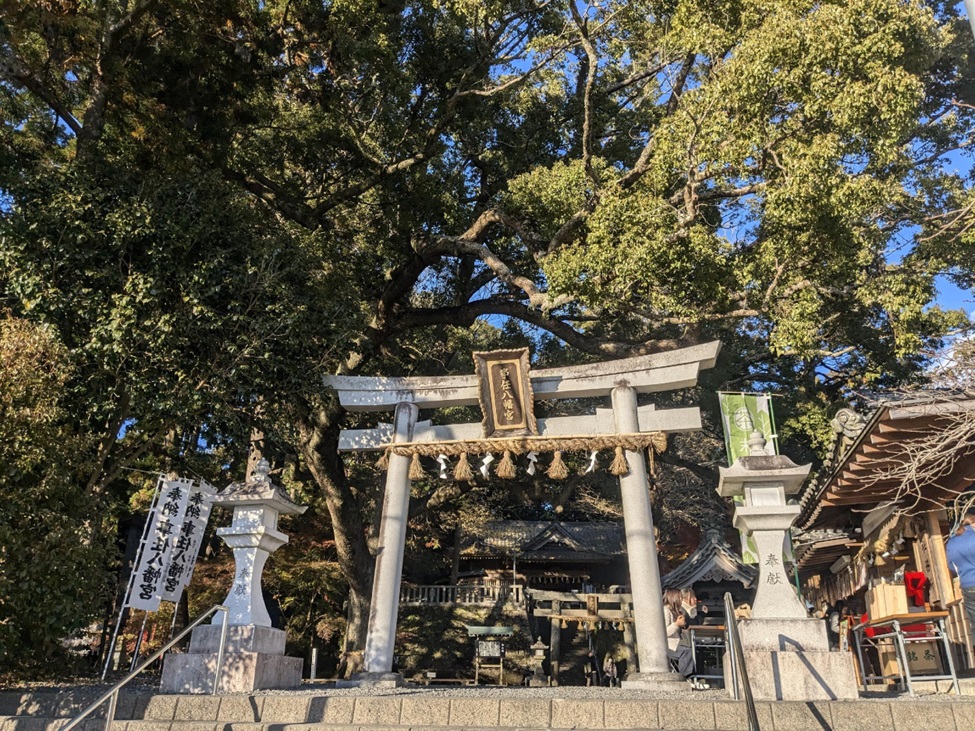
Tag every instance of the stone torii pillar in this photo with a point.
(622, 379)
(384, 607)
(641, 554)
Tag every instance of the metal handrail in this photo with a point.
(111, 695)
(738, 670)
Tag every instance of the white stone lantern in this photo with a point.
(254, 653)
(786, 652)
(765, 482)
(253, 535)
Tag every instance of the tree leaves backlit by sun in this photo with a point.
(212, 204)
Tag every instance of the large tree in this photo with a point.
(622, 176)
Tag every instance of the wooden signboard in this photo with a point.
(505, 393)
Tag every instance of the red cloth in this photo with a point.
(870, 631)
(916, 584)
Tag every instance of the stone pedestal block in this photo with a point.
(798, 676)
(373, 680)
(253, 659)
(240, 638)
(243, 672)
(784, 635)
(653, 681)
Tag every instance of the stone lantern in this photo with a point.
(538, 678)
(786, 652)
(253, 535)
(254, 655)
(765, 482)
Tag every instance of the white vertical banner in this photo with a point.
(186, 547)
(157, 548)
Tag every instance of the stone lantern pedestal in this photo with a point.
(538, 679)
(254, 653)
(786, 652)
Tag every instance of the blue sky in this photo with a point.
(951, 297)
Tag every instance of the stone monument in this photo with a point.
(254, 653)
(787, 653)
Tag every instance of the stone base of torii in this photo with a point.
(622, 380)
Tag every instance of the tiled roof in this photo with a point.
(714, 560)
(523, 537)
(860, 451)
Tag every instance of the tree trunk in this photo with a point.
(319, 431)
(352, 660)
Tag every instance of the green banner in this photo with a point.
(743, 413)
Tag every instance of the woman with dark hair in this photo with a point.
(675, 618)
(690, 605)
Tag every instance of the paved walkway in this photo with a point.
(452, 709)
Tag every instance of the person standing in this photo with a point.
(834, 625)
(609, 670)
(678, 650)
(961, 558)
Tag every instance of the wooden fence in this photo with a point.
(490, 593)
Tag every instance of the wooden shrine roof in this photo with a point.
(816, 551)
(544, 540)
(713, 560)
(859, 476)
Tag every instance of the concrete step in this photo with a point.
(190, 726)
(410, 709)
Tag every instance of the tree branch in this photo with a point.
(466, 315)
(591, 67)
(13, 70)
(470, 243)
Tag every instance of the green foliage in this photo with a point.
(53, 548)
(211, 205)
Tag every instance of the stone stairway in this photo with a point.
(449, 710)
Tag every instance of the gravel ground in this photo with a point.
(327, 688)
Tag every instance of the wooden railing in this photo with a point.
(491, 593)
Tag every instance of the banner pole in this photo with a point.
(135, 564)
(771, 418)
(138, 642)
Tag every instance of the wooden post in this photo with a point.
(455, 558)
(939, 559)
(555, 641)
(629, 640)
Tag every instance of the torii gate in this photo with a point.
(621, 379)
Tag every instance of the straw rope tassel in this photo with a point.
(462, 472)
(506, 468)
(658, 445)
(383, 462)
(416, 469)
(557, 470)
(619, 466)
